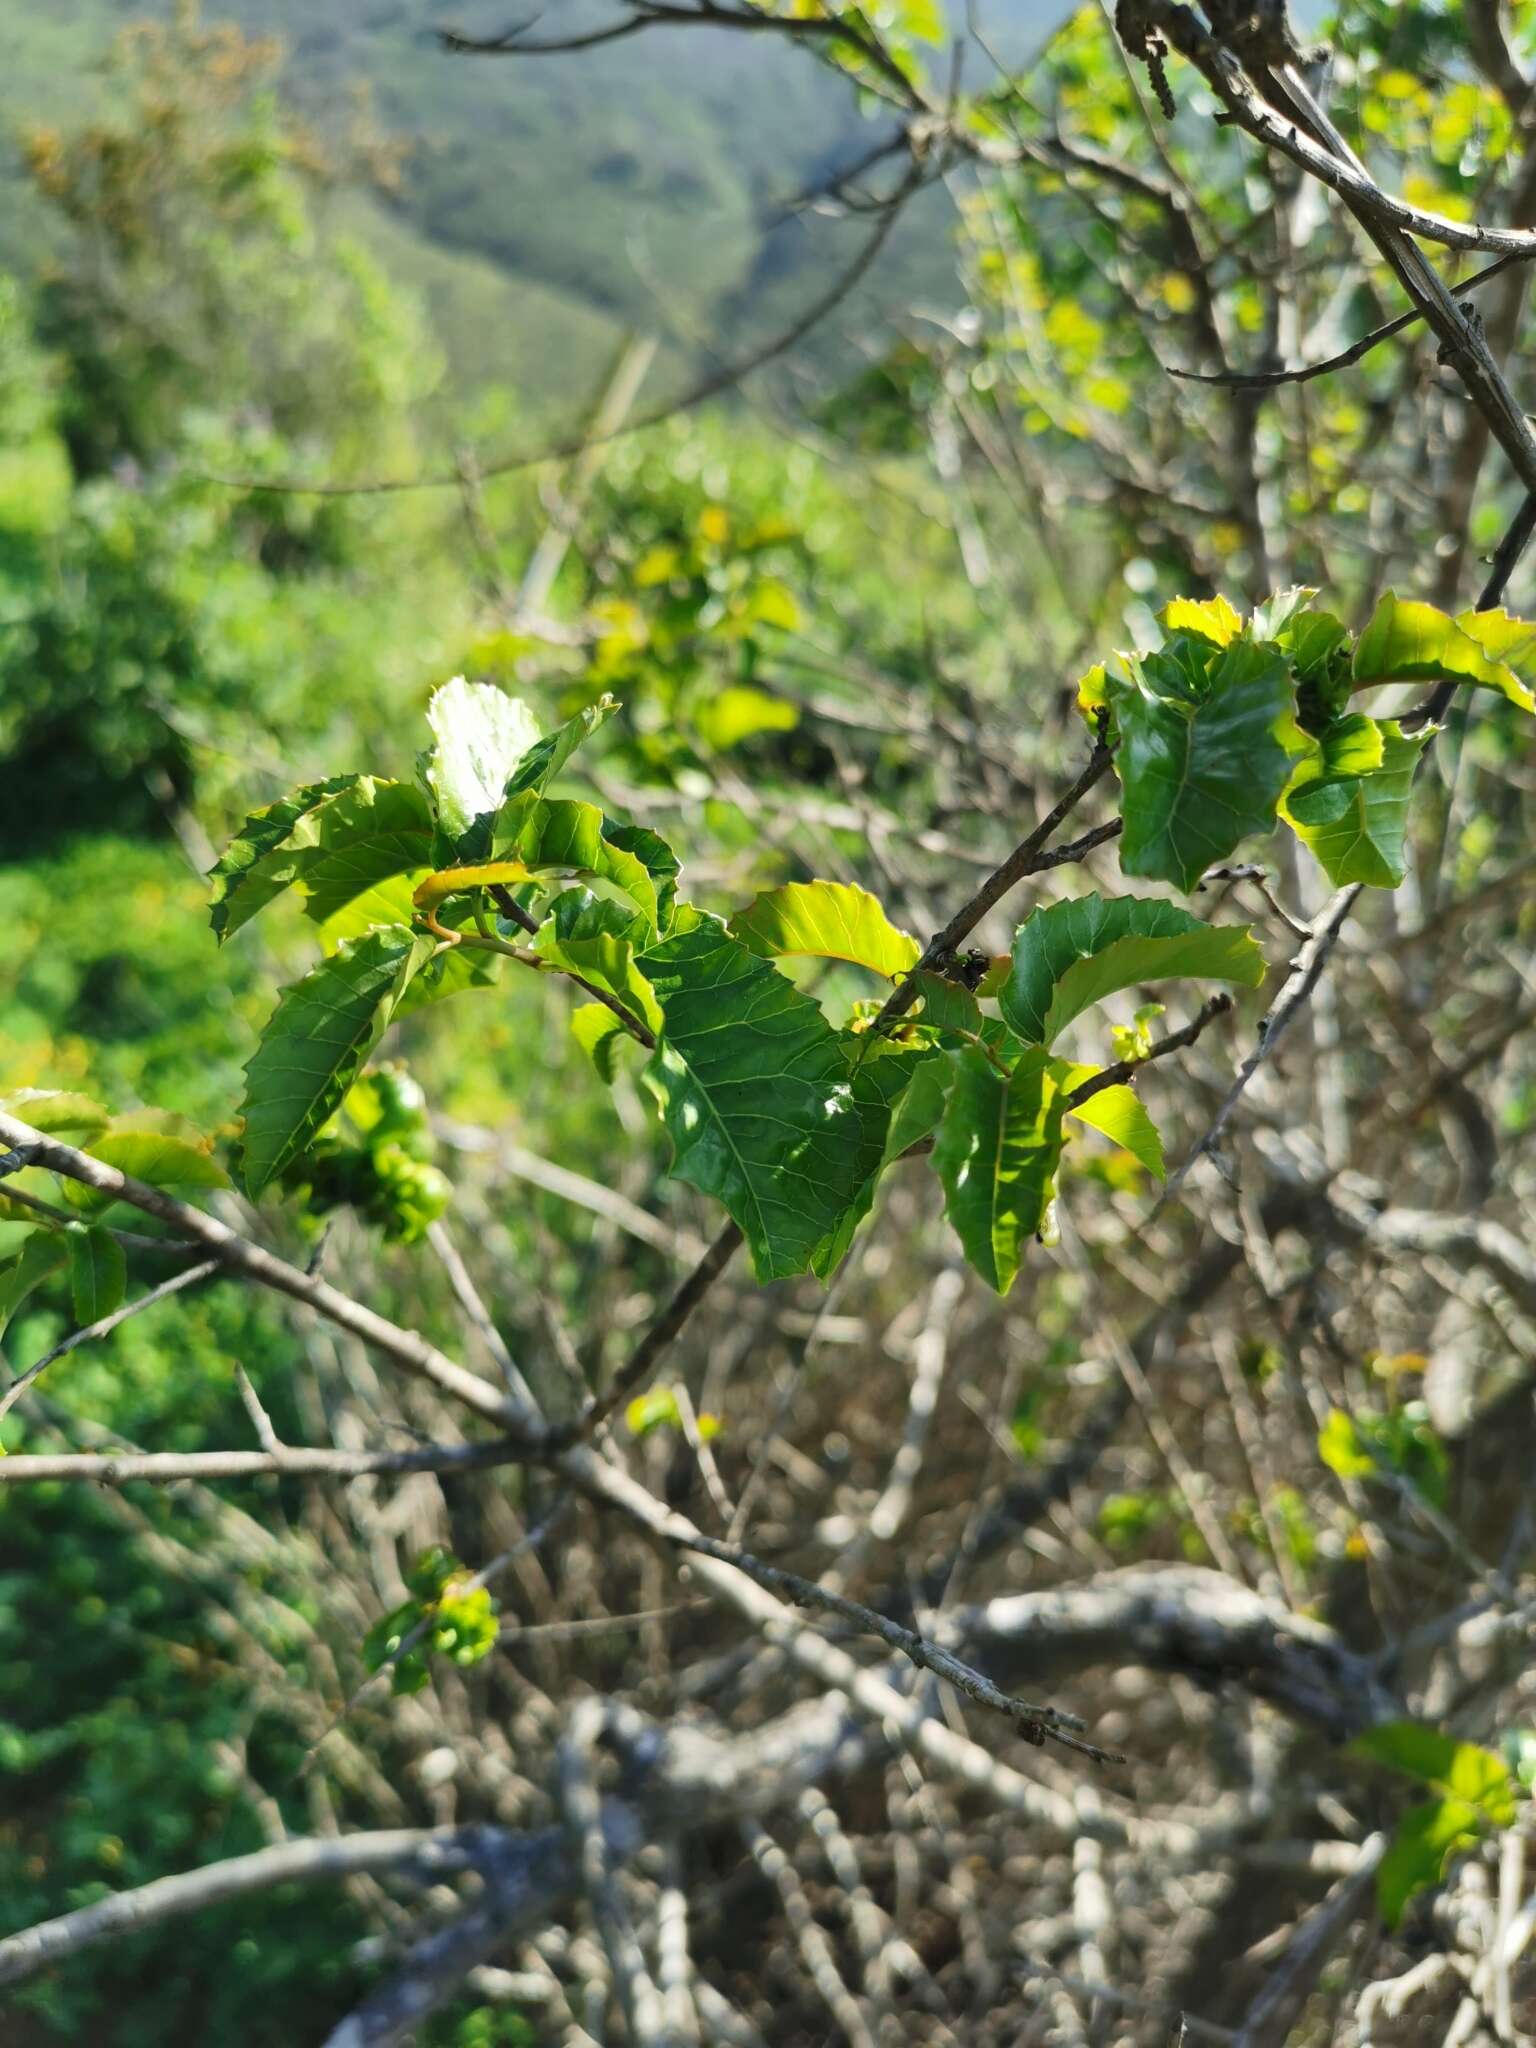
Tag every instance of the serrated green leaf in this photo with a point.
(755, 1094)
(356, 845)
(483, 736)
(316, 1039)
(1352, 811)
(56, 1112)
(1073, 954)
(162, 1158)
(544, 760)
(825, 921)
(98, 1274)
(558, 835)
(1422, 1843)
(1511, 642)
(997, 1151)
(1117, 1113)
(43, 1254)
(253, 868)
(877, 1087)
(599, 940)
(1411, 642)
(1199, 760)
(448, 973)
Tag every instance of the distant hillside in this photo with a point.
(552, 202)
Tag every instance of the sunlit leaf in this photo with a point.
(482, 737)
(162, 1158)
(600, 1035)
(1352, 809)
(56, 1112)
(1200, 762)
(1071, 955)
(254, 868)
(755, 1093)
(828, 921)
(350, 849)
(1407, 641)
(544, 760)
(997, 1151)
(436, 889)
(1212, 618)
(599, 940)
(315, 1041)
(1116, 1112)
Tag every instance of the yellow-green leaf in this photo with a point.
(828, 921)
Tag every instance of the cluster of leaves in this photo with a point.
(1473, 1793)
(447, 1615)
(788, 1119)
(1233, 724)
(421, 889)
(375, 1157)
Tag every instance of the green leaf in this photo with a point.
(600, 1035)
(1464, 1770)
(919, 1108)
(1423, 1842)
(1200, 762)
(598, 939)
(1211, 618)
(1510, 642)
(1411, 642)
(825, 921)
(1115, 1112)
(56, 1112)
(39, 1258)
(877, 1087)
(447, 973)
(483, 736)
(755, 1094)
(98, 1274)
(322, 1030)
(253, 869)
(739, 713)
(947, 1005)
(556, 834)
(162, 1158)
(638, 842)
(1073, 954)
(997, 1152)
(544, 760)
(1351, 810)
(357, 844)
(1280, 614)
